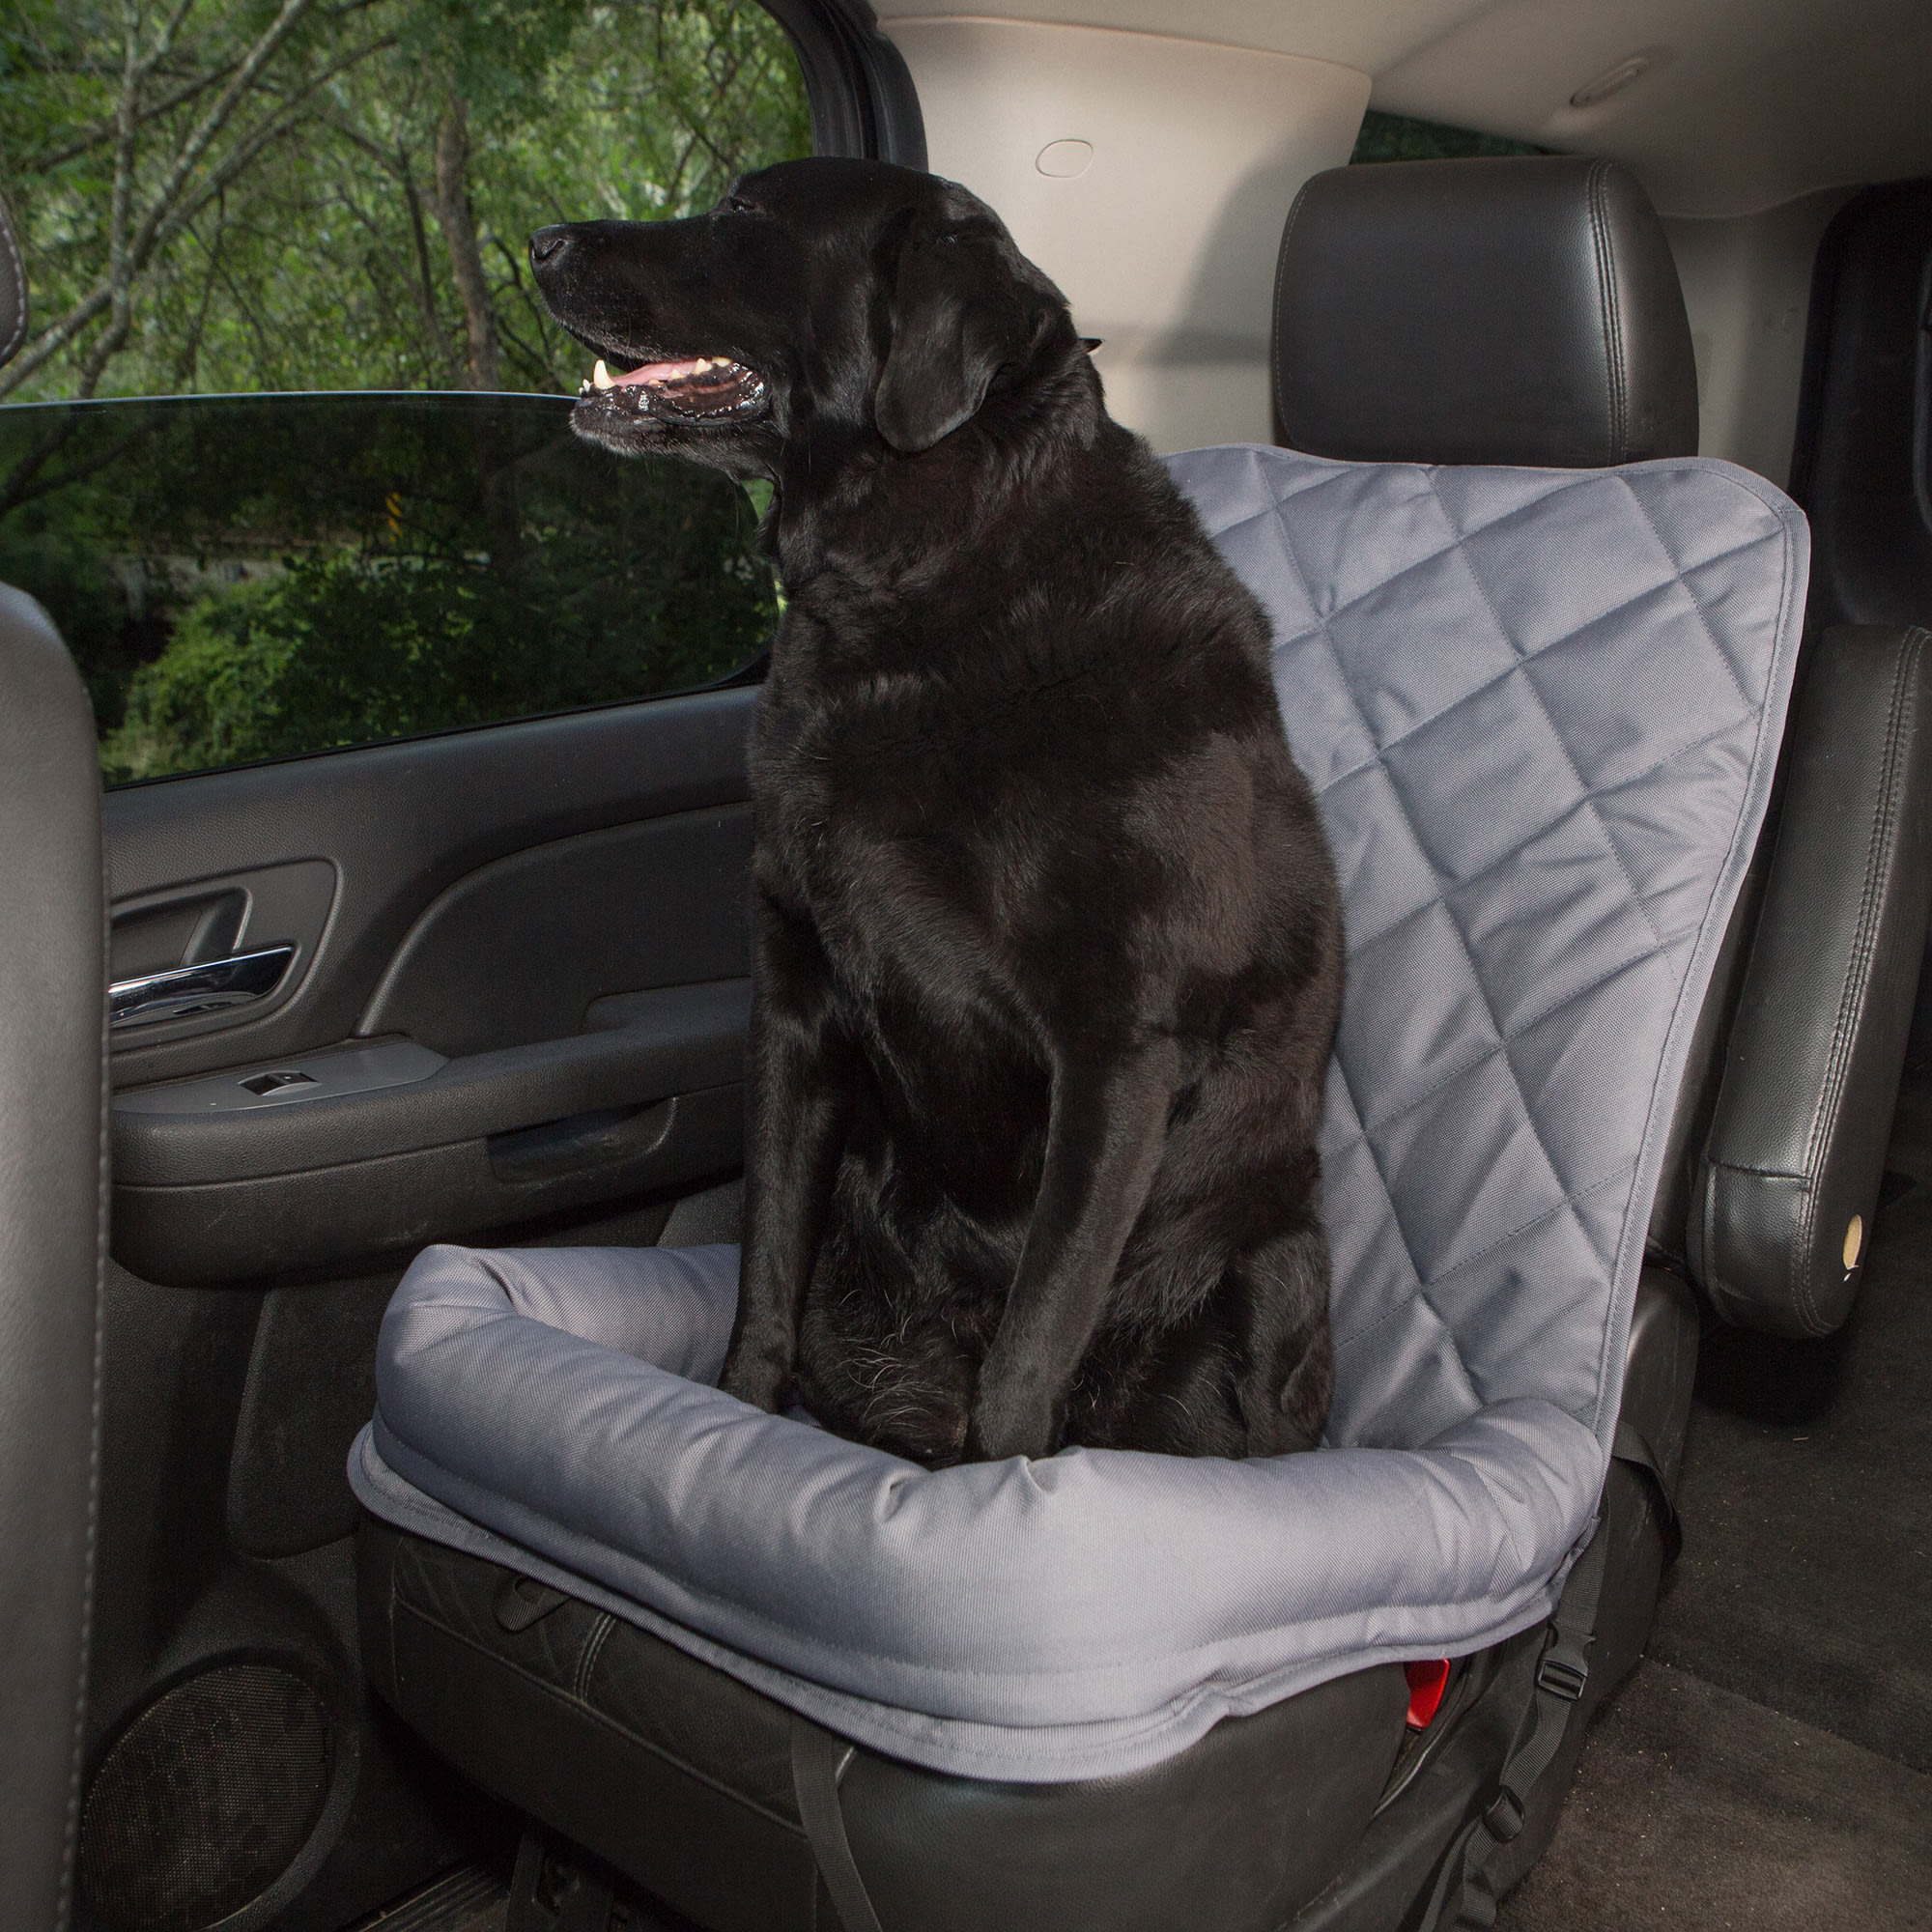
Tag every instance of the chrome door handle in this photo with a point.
(207, 988)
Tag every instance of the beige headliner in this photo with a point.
(1747, 102)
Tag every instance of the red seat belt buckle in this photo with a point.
(1427, 1682)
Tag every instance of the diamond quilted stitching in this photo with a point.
(1481, 778)
(1399, 1054)
(1484, 1160)
(1516, 904)
(1660, 819)
(1584, 1048)
(1402, 690)
(1401, 1382)
(1700, 543)
(1656, 642)
(1575, 561)
(1479, 499)
(1325, 728)
(1392, 1204)
(1545, 922)
(1363, 534)
(1497, 598)
(1528, 703)
(1507, 1296)
(1385, 875)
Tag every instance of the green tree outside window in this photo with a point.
(1397, 137)
(219, 197)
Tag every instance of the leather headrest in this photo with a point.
(13, 290)
(1522, 311)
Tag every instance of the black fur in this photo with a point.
(1047, 941)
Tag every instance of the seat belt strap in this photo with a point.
(1463, 1898)
(818, 1760)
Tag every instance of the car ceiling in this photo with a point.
(1742, 105)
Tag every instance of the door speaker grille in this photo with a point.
(204, 1800)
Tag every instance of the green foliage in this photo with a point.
(263, 577)
(228, 197)
(311, 245)
(1395, 137)
(346, 649)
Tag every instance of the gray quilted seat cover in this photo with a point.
(1542, 710)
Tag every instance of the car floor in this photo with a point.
(1769, 1765)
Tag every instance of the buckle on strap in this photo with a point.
(1503, 1820)
(1562, 1676)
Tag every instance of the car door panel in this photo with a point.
(484, 1142)
(526, 997)
(401, 823)
(519, 949)
(518, 986)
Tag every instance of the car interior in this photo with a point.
(280, 1017)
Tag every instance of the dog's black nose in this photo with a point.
(547, 243)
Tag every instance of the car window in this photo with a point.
(265, 576)
(281, 220)
(1398, 137)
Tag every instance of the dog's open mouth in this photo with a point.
(705, 388)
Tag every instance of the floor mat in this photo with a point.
(1770, 1764)
(1806, 1581)
(1697, 1807)
(469, 1899)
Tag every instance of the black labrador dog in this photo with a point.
(1046, 936)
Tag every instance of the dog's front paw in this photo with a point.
(1008, 1421)
(756, 1376)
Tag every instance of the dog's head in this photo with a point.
(819, 297)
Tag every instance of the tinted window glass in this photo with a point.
(257, 577)
(1397, 137)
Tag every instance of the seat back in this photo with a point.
(1524, 699)
(1527, 311)
(52, 1169)
(1779, 1213)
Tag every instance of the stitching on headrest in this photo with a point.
(1275, 319)
(1609, 310)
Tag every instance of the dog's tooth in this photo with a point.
(601, 376)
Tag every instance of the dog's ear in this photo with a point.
(959, 312)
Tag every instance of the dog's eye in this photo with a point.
(733, 204)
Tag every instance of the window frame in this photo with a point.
(863, 102)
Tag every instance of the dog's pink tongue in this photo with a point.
(657, 372)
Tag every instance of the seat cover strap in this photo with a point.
(1464, 1898)
(818, 1758)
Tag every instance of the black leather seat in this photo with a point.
(52, 1175)
(1526, 312)
(1429, 310)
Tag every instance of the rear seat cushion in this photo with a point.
(1541, 709)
